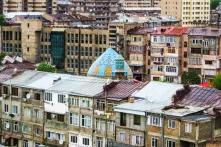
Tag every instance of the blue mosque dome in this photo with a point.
(108, 64)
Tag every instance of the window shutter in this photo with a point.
(148, 120)
(160, 122)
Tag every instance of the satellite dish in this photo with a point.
(28, 96)
(61, 141)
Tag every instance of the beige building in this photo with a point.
(140, 3)
(190, 12)
(47, 6)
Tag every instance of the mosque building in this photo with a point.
(110, 65)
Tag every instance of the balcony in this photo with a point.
(55, 124)
(55, 142)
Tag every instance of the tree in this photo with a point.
(217, 82)
(46, 67)
(214, 3)
(2, 56)
(190, 78)
(2, 20)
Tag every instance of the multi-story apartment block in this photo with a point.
(190, 12)
(204, 52)
(167, 44)
(138, 51)
(103, 10)
(133, 4)
(172, 119)
(45, 6)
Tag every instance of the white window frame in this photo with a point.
(74, 101)
(86, 141)
(87, 121)
(6, 108)
(48, 96)
(14, 109)
(155, 121)
(61, 98)
(74, 119)
(74, 137)
(154, 142)
(171, 124)
(188, 127)
(170, 143)
(137, 140)
(122, 137)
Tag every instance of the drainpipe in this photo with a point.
(162, 129)
(145, 131)
(93, 119)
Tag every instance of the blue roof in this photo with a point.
(105, 65)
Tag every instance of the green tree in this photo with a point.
(46, 67)
(2, 20)
(190, 78)
(2, 56)
(214, 3)
(217, 82)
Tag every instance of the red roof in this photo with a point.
(177, 31)
(122, 89)
(205, 84)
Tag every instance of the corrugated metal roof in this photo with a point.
(79, 85)
(158, 91)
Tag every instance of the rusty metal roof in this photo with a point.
(201, 97)
(122, 89)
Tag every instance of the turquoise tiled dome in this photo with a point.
(105, 65)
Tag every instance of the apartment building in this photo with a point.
(174, 120)
(140, 4)
(190, 12)
(103, 11)
(204, 52)
(167, 45)
(138, 51)
(44, 6)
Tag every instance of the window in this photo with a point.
(60, 118)
(122, 137)
(188, 127)
(37, 96)
(85, 103)
(154, 142)
(14, 91)
(5, 90)
(100, 125)
(123, 119)
(61, 98)
(111, 126)
(137, 119)
(86, 141)
(25, 143)
(100, 105)
(171, 124)
(74, 119)
(208, 62)
(48, 116)
(137, 140)
(15, 128)
(155, 121)
(74, 139)
(14, 109)
(170, 143)
(48, 96)
(99, 142)
(85, 121)
(170, 69)
(37, 131)
(6, 108)
(74, 101)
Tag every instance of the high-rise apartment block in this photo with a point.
(46, 6)
(140, 4)
(190, 12)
